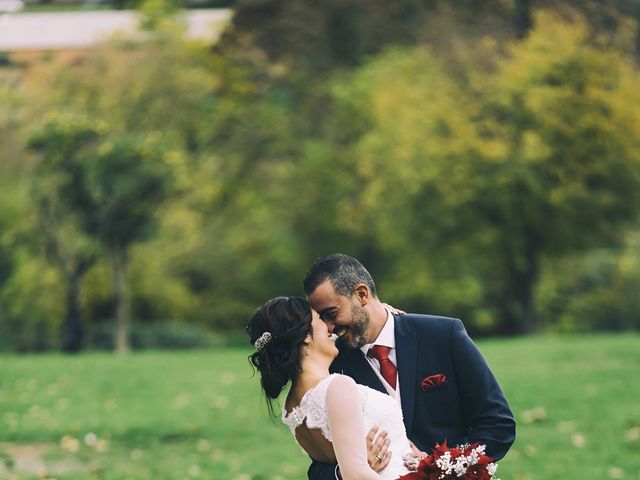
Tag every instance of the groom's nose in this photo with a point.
(330, 325)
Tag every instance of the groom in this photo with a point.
(429, 364)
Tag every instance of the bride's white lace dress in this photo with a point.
(377, 409)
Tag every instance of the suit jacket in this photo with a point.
(469, 406)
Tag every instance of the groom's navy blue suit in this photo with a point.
(468, 407)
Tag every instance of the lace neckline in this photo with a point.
(303, 401)
(312, 409)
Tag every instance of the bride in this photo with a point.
(328, 414)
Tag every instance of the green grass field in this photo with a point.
(199, 415)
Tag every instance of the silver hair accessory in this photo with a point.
(262, 341)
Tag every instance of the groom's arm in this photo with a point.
(323, 471)
(488, 416)
(377, 447)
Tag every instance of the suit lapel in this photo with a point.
(406, 355)
(353, 363)
(363, 373)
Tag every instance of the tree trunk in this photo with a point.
(516, 296)
(523, 294)
(72, 327)
(72, 333)
(522, 18)
(123, 315)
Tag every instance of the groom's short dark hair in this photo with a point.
(345, 273)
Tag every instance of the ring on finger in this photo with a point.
(379, 457)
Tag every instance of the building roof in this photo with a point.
(78, 30)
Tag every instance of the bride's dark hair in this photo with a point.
(288, 320)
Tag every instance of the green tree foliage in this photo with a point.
(112, 185)
(115, 181)
(323, 36)
(596, 290)
(128, 181)
(475, 175)
(29, 287)
(565, 114)
(538, 158)
(57, 180)
(320, 36)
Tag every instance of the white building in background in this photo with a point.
(29, 32)
(11, 6)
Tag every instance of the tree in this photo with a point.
(125, 185)
(486, 175)
(156, 98)
(561, 107)
(112, 186)
(64, 148)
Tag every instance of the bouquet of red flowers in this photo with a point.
(465, 462)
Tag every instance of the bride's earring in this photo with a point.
(306, 352)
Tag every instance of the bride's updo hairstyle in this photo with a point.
(277, 330)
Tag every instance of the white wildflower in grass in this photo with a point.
(69, 443)
(615, 472)
(633, 434)
(90, 439)
(578, 440)
(101, 445)
(536, 414)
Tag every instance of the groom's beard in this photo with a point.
(358, 328)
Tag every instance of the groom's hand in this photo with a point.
(412, 461)
(378, 454)
(394, 310)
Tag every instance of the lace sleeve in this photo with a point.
(346, 421)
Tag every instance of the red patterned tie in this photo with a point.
(387, 368)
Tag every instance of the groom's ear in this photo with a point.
(362, 294)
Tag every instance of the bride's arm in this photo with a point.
(344, 410)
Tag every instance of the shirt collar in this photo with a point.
(386, 337)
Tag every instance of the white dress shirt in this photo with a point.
(386, 338)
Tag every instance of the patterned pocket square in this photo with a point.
(433, 381)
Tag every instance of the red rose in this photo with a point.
(429, 470)
(474, 472)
